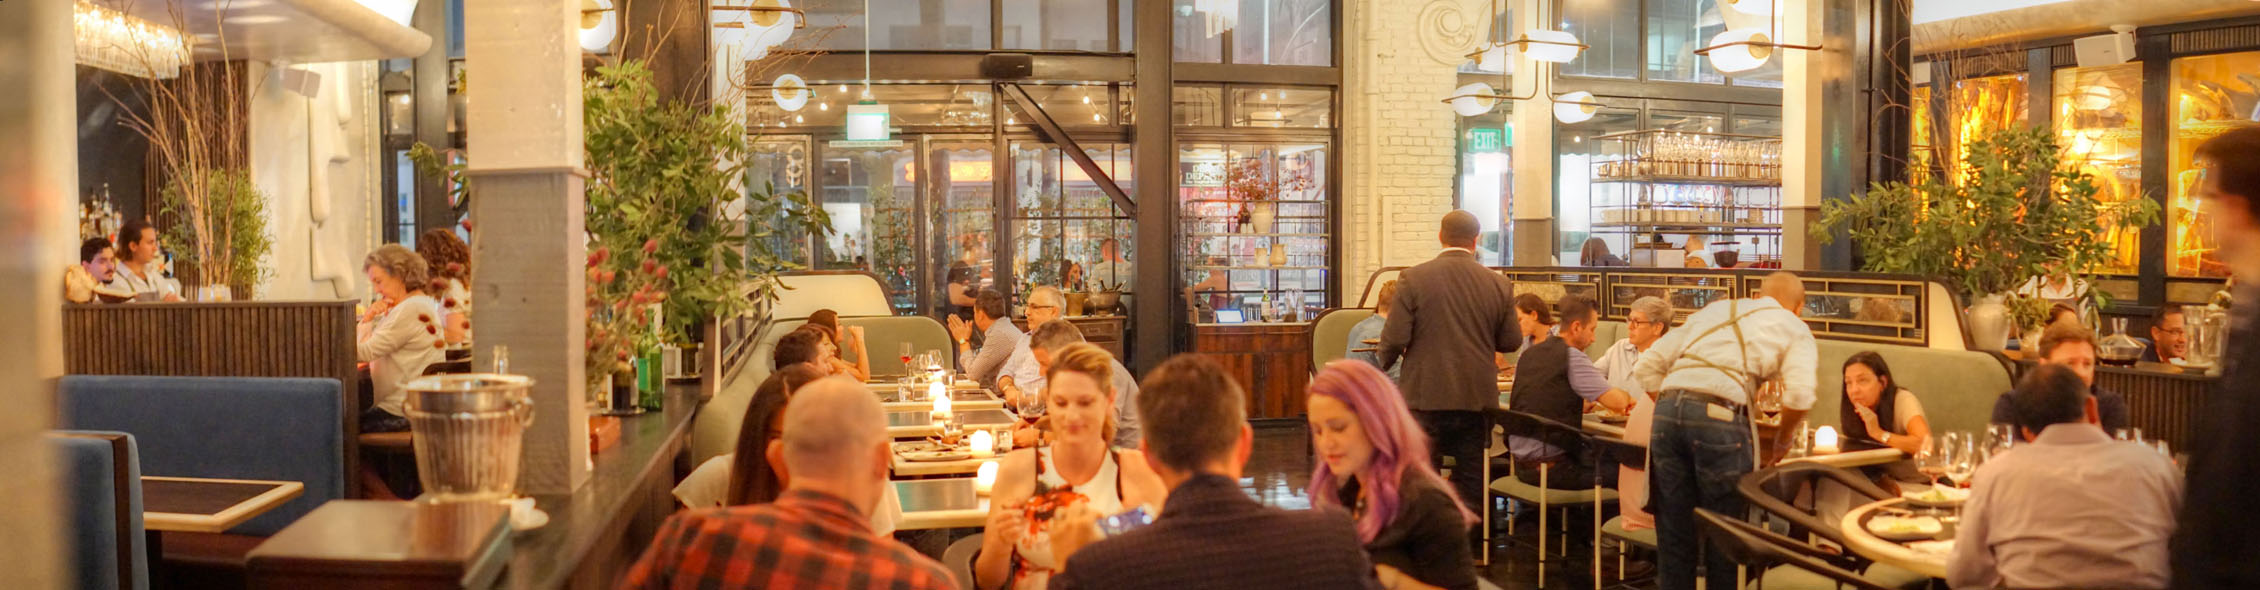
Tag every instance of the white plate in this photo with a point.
(1904, 528)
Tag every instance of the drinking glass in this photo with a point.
(902, 350)
(1961, 462)
(1032, 408)
(1934, 458)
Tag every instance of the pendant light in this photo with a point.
(1752, 35)
(1575, 107)
(599, 25)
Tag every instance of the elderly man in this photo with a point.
(1706, 373)
(816, 535)
(2072, 508)
(1021, 374)
(2219, 531)
(1649, 319)
(1057, 334)
(999, 338)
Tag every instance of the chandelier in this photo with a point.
(111, 40)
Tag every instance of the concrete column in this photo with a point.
(525, 156)
(1823, 112)
(1533, 212)
(39, 176)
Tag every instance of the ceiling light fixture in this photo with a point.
(790, 92)
(1575, 107)
(1744, 49)
(600, 24)
(766, 24)
(111, 40)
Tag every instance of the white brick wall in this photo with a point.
(1398, 141)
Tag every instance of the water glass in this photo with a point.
(2133, 434)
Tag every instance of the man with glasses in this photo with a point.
(2169, 339)
(1021, 374)
(1649, 319)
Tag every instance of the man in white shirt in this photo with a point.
(1649, 319)
(2070, 508)
(1702, 444)
(1021, 374)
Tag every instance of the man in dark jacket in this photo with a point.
(2219, 532)
(1450, 316)
(1210, 534)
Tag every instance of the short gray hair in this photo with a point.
(1655, 308)
(834, 424)
(402, 263)
(1048, 295)
(1055, 335)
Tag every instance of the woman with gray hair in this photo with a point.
(399, 335)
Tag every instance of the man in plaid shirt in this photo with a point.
(816, 535)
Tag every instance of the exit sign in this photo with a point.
(1486, 139)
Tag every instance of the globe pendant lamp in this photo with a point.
(1740, 50)
(599, 25)
(790, 92)
(1550, 46)
(1575, 107)
(1474, 99)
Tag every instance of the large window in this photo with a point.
(1486, 183)
(1057, 25)
(925, 24)
(868, 192)
(1575, 153)
(1274, 32)
(1676, 28)
(2098, 118)
(1066, 231)
(2210, 96)
(1612, 31)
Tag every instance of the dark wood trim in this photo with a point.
(670, 37)
(2157, 125)
(1271, 361)
(429, 77)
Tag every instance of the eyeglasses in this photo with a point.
(1639, 323)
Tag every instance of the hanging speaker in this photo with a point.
(2106, 50)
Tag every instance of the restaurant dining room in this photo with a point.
(1129, 294)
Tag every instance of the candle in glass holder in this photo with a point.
(941, 409)
(985, 478)
(937, 391)
(1824, 441)
(984, 444)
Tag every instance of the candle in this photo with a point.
(984, 444)
(937, 391)
(942, 409)
(1824, 441)
(985, 478)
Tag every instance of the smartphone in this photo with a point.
(1126, 521)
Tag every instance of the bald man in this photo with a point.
(1705, 373)
(1448, 318)
(835, 457)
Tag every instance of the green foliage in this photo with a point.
(2018, 212)
(224, 234)
(2028, 313)
(449, 166)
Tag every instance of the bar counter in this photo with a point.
(596, 533)
(2162, 399)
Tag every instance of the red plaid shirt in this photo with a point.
(803, 540)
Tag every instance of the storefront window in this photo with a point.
(1197, 106)
(1271, 32)
(1056, 25)
(1676, 28)
(1063, 222)
(2098, 121)
(2212, 94)
(926, 25)
(957, 105)
(1922, 151)
(780, 164)
(961, 180)
(1257, 106)
(1255, 225)
(1612, 28)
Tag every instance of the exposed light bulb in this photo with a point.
(1086, 99)
(823, 106)
(797, 119)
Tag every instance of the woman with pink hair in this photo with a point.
(1373, 461)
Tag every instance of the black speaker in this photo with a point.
(1008, 66)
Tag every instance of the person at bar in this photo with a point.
(1058, 335)
(2169, 338)
(1596, 253)
(88, 281)
(816, 534)
(1021, 373)
(1706, 372)
(2219, 531)
(843, 340)
(2071, 508)
(450, 262)
(1373, 464)
(1210, 535)
(138, 271)
(1450, 317)
(2071, 345)
(1049, 496)
(999, 338)
(399, 336)
(1370, 329)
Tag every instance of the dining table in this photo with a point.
(961, 399)
(1926, 557)
(920, 423)
(904, 466)
(208, 505)
(949, 503)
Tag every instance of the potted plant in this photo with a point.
(2016, 212)
(2030, 317)
(222, 233)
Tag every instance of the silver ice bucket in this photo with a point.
(468, 430)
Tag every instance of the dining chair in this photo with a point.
(1775, 490)
(1622, 453)
(1757, 549)
(1573, 442)
(959, 559)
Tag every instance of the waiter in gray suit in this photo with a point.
(1450, 316)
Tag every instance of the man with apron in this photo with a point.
(1706, 372)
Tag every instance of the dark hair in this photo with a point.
(1192, 411)
(802, 345)
(990, 302)
(2062, 333)
(828, 319)
(2158, 318)
(1886, 404)
(2233, 158)
(91, 248)
(2057, 311)
(1576, 309)
(129, 234)
(2049, 395)
(1595, 252)
(752, 481)
(1460, 228)
(1531, 303)
(444, 253)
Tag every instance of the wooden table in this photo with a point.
(1853, 458)
(941, 504)
(200, 505)
(908, 468)
(370, 544)
(920, 423)
(1595, 426)
(1875, 548)
(960, 400)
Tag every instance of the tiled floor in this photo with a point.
(1278, 474)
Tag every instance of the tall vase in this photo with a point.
(1261, 219)
(1989, 323)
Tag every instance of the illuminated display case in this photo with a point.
(1984, 106)
(2211, 94)
(1922, 151)
(2098, 121)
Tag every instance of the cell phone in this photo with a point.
(1125, 522)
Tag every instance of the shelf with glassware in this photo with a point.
(1659, 182)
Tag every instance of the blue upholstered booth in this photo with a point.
(284, 429)
(101, 498)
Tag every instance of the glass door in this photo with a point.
(959, 181)
(871, 194)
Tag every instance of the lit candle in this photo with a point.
(937, 391)
(984, 444)
(985, 478)
(1824, 441)
(942, 409)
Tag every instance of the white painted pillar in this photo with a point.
(38, 229)
(526, 157)
(1533, 150)
(1804, 131)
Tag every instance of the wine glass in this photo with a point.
(902, 349)
(1961, 462)
(1933, 460)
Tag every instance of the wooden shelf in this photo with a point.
(1690, 180)
(1249, 235)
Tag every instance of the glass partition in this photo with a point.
(779, 163)
(961, 187)
(1255, 223)
(2098, 121)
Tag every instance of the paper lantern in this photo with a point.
(1473, 99)
(1556, 46)
(1575, 107)
(1740, 58)
(790, 92)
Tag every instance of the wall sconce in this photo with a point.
(1575, 107)
(767, 24)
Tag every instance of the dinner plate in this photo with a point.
(935, 456)
(1904, 528)
(1935, 496)
(924, 446)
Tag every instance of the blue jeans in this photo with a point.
(1696, 460)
